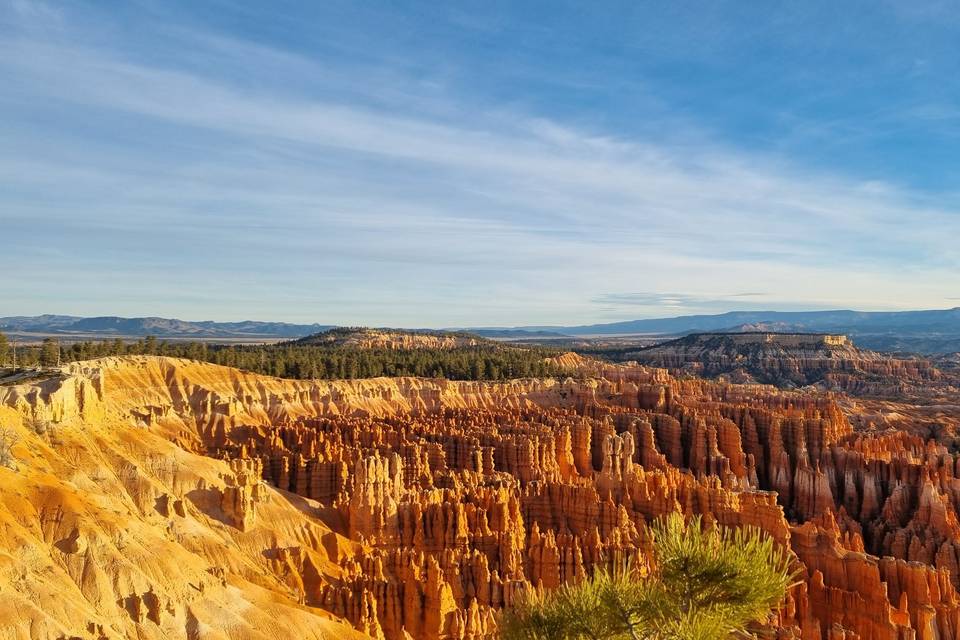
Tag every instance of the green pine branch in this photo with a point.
(706, 584)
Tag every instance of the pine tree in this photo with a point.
(4, 349)
(118, 347)
(49, 352)
(706, 584)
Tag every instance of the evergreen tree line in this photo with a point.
(301, 361)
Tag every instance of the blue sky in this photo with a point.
(477, 163)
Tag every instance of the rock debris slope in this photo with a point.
(169, 498)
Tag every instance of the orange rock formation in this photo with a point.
(188, 500)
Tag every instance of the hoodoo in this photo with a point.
(172, 498)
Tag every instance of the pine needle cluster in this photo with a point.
(706, 584)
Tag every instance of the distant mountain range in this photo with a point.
(935, 331)
(945, 321)
(113, 326)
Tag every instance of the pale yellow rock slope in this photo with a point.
(110, 530)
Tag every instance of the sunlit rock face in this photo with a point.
(181, 499)
(825, 361)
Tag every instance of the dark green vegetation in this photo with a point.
(609, 353)
(705, 585)
(486, 361)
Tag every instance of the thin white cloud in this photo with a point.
(377, 197)
(638, 181)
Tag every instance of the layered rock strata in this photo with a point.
(830, 362)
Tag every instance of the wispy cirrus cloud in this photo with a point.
(270, 177)
(648, 298)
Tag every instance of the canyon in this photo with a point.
(827, 362)
(157, 497)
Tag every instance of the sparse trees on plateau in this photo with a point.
(50, 352)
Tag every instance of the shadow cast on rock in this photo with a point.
(208, 502)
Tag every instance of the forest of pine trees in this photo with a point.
(290, 360)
